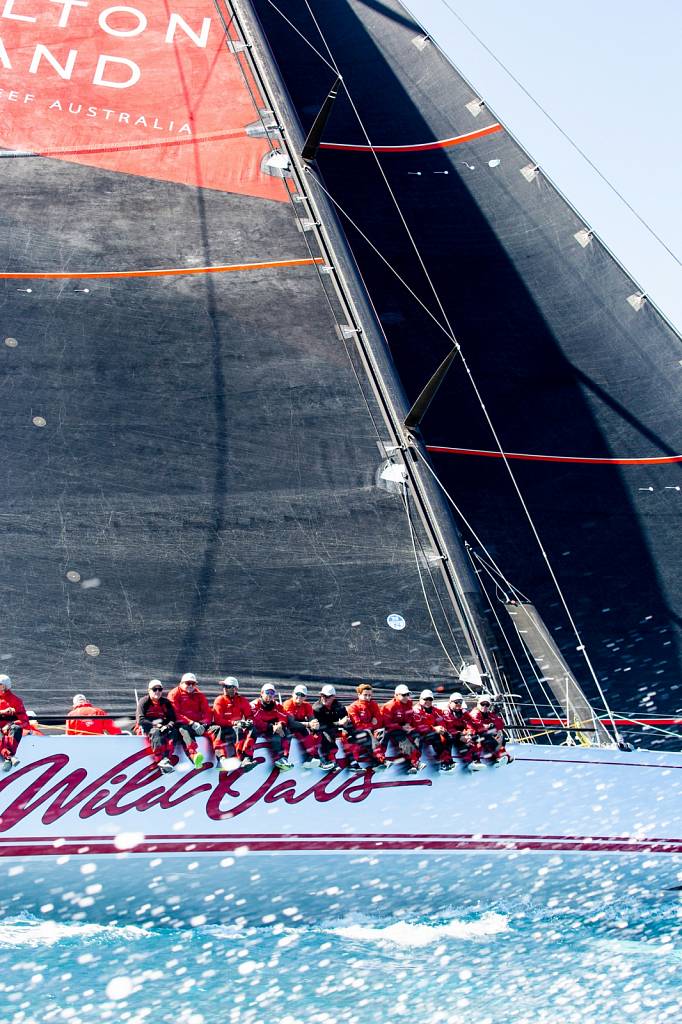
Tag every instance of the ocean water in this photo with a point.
(507, 965)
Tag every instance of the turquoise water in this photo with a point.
(504, 966)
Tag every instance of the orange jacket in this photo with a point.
(228, 710)
(190, 707)
(302, 712)
(12, 710)
(92, 723)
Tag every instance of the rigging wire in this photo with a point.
(439, 600)
(423, 588)
(508, 642)
(539, 680)
(563, 133)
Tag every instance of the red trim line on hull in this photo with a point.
(21, 848)
(657, 461)
(166, 272)
(417, 147)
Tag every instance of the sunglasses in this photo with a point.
(156, 689)
(484, 703)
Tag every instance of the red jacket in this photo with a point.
(228, 710)
(265, 715)
(486, 721)
(302, 712)
(397, 715)
(93, 723)
(425, 718)
(365, 714)
(190, 707)
(12, 710)
(457, 722)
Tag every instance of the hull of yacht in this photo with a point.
(93, 830)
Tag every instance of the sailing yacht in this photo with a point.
(211, 464)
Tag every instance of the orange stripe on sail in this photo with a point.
(416, 147)
(164, 272)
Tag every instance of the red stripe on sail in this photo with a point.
(661, 460)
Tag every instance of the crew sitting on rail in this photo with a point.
(13, 722)
(192, 714)
(270, 722)
(489, 731)
(155, 719)
(399, 727)
(429, 723)
(84, 719)
(332, 716)
(231, 723)
(365, 730)
(461, 730)
(303, 724)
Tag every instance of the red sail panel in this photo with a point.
(145, 88)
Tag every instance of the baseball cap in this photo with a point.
(328, 691)
(456, 696)
(402, 689)
(426, 695)
(189, 677)
(6, 682)
(79, 698)
(301, 689)
(230, 681)
(268, 688)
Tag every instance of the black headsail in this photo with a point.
(573, 368)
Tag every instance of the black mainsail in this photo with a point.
(200, 464)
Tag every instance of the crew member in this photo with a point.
(398, 715)
(332, 716)
(231, 722)
(429, 723)
(461, 730)
(270, 722)
(13, 722)
(192, 713)
(155, 719)
(85, 719)
(303, 724)
(489, 729)
(365, 730)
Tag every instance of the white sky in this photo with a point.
(609, 72)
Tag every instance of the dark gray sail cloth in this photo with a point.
(566, 366)
(189, 463)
